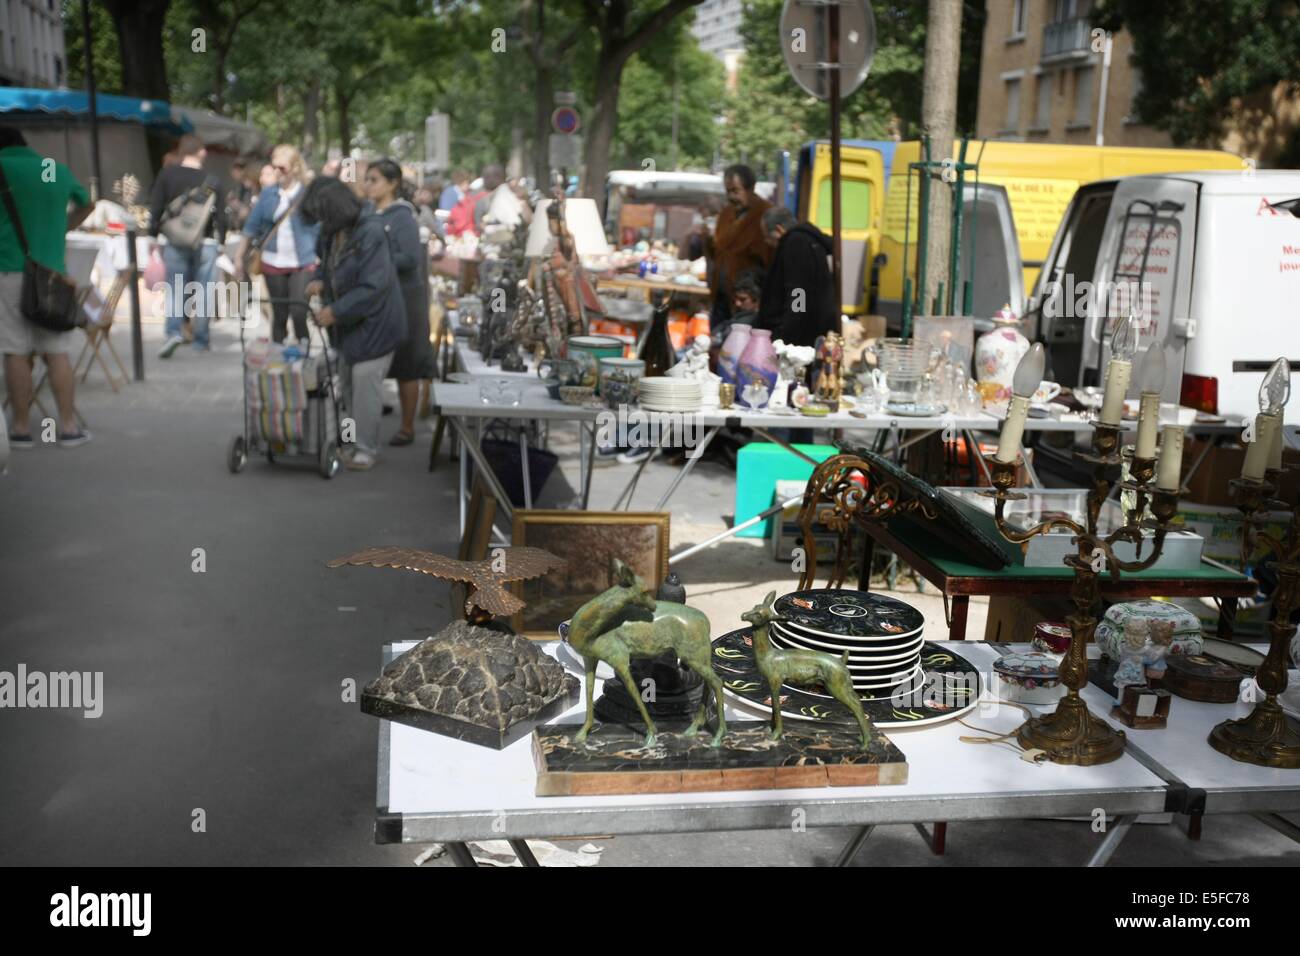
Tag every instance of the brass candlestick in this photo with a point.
(1267, 737)
(1072, 734)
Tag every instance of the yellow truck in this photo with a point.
(1038, 179)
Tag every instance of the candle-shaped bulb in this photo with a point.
(1029, 373)
(1275, 392)
(1151, 373)
(1124, 338)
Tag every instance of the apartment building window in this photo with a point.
(1018, 16)
(1083, 106)
(1013, 104)
(1043, 106)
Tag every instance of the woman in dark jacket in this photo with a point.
(413, 359)
(364, 307)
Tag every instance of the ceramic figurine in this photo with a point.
(997, 353)
(695, 363)
(1131, 669)
(755, 394)
(826, 376)
(802, 668)
(601, 631)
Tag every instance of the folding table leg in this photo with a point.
(853, 846)
(960, 612)
(1114, 837)
(1227, 618)
(460, 854)
(691, 459)
(937, 842)
(523, 852)
(1279, 823)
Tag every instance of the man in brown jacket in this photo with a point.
(738, 243)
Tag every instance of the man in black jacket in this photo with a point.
(190, 272)
(798, 299)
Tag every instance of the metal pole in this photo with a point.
(834, 24)
(133, 284)
(1101, 94)
(90, 100)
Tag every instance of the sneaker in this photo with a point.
(170, 346)
(361, 461)
(21, 441)
(634, 456)
(73, 439)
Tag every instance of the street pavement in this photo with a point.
(225, 737)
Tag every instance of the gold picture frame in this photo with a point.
(586, 540)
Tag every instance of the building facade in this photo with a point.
(717, 27)
(31, 44)
(1043, 72)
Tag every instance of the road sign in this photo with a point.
(566, 98)
(565, 120)
(564, 151)
(806, 44)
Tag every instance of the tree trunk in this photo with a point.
(311, 120)
(139, 25)
(342, 102)
(544, 96)
(939, 120)
(600, 132)
(221, 53)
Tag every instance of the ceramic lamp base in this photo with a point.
(1072, 735)
(1266, 738)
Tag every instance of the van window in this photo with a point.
(855, 204)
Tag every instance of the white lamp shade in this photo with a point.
(583, 219)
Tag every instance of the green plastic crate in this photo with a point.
(759, 466)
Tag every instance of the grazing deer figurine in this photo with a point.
(602, 631)
(801, 668)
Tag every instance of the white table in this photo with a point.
(1206, 780)
(436, 789)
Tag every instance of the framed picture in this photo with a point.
(587, 540)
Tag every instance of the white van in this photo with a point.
(1218, 255)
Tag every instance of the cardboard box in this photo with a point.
(787, 535)
(1209, 485)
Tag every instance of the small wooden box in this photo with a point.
(1142, 708)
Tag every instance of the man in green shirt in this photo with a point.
(49, 201)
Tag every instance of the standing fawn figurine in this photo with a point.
(802, 668)
(600, 631)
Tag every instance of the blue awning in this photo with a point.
(153, 113)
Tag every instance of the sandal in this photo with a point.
(402, 438)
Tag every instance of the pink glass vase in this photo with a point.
(732, 348)
(757, 366)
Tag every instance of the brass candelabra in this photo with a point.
(1072, 734)
(1266, 736)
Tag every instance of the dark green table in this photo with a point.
(943, 565)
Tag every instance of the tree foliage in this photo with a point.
(1198, 60)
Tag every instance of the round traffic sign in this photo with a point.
(565, 120)
(806, 46)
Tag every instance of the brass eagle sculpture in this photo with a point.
(486, 580)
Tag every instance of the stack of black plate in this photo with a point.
(883, 636)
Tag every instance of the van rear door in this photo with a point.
(1146, 258)
(1058, 310)
(862, 189)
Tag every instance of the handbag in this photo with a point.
(253, 254)
(49, 298)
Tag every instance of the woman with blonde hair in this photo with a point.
(285, 242)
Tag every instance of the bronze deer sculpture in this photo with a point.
(602, 631)
(801, 668)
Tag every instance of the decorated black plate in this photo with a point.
(859, 648)
(844, 613)
(951, 688)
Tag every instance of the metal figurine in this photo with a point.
(604, 630)
(1266, 736)
(802, 668)
(485, 581)
(1072, 734)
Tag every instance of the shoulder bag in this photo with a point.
(49, 298)
(253, 254)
